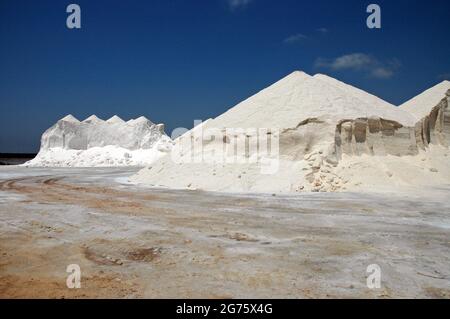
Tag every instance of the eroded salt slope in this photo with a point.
(97, 143)
(432, 113)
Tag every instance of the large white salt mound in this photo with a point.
(298, 97)
(95, 142)
(94, 132)
(331, 137)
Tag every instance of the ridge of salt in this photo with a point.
(422, 104)
(298, 97)
(381, 107)
(139, 120)
(359, 93)
(92, 119)
(115, 119)
(70, 118)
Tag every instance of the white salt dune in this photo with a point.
(332, 137)
(97, 143)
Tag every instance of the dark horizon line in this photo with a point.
(18, 155)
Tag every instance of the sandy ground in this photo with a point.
(134, 242)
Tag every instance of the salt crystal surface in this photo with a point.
(94, 142)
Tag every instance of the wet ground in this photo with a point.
(136, 242)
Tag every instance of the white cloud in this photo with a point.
(236, 4)
(360, 62)
(382, 73)
(354, 61)
(300, 36)
(294, 38)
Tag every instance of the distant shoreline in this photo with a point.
(15, 158)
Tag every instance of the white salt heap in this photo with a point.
(332, 137)
(298, 97)
(97, 143)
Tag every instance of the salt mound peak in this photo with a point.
(291, 79)
(140, 120)
(93, 119)
(70, 118)
(115, 119)
(298, 74)
(299, 97)
(421, 105)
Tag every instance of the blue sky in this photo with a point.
(178, 60)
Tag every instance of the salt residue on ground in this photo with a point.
(107, 156)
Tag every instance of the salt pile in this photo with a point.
(97, 143)
(432, 115)
(328, 136)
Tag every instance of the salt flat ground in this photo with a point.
(132, 241)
